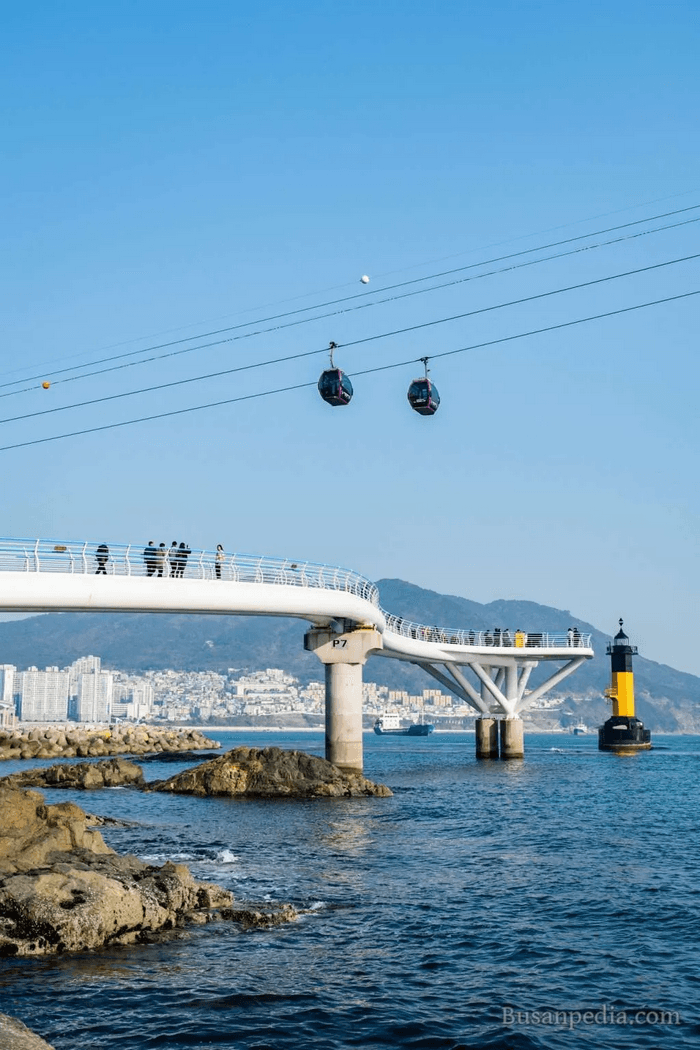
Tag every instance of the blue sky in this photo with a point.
(174, 168)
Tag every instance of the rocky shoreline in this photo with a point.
(244, 772)
(58, 741)
(62, 889)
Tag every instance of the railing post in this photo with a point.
(126, 559)
(36, 557)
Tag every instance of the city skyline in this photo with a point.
(166, 180)
(84, 691)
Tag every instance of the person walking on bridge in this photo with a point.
(219, 560)
(101, 557)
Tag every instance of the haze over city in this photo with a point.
(171, 173)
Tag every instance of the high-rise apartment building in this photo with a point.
(43, 695)
(94, 696)
(84, 665)
(7, 683)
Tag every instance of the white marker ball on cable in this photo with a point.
(364, 278)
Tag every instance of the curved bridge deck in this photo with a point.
(57, 575)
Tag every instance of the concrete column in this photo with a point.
(344, 715)
(486, 737)
(511, 689)
(343, 656)
(512, 738)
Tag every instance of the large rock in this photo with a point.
(269, 772)
(63, 889)
(114, 772)
(16, 1036)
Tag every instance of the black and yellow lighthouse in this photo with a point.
(623, 732)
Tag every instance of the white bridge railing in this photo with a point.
(89, 557)
(497, 638)
(86, 558)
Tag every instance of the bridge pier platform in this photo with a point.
(343, 656)
(499, 738)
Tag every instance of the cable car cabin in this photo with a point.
(334, 387)
(423, 397)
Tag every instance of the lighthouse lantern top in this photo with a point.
(621, 643)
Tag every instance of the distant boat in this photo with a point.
(390, 725)
(580, 729)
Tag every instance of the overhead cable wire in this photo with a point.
(354, 342)
(365, 296)
(388, 273)
(525, 335)
(538, 233)
(367, 371)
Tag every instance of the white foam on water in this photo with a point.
(226, 857)
(162, 858)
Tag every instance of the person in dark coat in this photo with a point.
(150, 557)
(183, 554)
(101, 557)
(173, 558)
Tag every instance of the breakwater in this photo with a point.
(60, 741)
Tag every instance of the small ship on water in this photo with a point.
(390, 725)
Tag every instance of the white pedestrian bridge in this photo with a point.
(489, 672)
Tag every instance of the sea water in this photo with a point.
(545, 903)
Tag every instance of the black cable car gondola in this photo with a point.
(423, 395)
(334, 386)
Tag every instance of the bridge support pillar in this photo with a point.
(512, 745)
(343, 656)
(486, 737)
